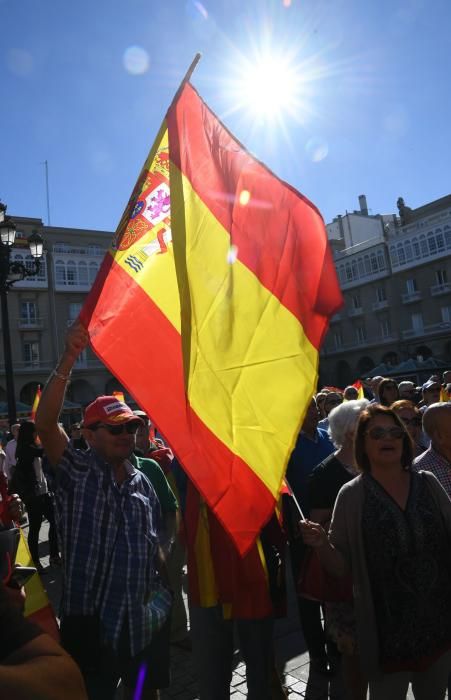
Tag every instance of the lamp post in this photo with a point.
(11, 272)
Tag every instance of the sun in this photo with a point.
(268, 86)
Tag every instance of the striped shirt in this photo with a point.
(109, 535)
(432, 461)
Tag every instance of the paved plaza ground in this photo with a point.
(291, 655)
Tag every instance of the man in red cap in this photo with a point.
(115, 610)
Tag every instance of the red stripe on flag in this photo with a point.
(151, 347)
(291, 234)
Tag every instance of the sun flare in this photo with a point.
(267, 86)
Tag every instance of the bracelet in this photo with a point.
(63, 377)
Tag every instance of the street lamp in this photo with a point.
(12, 271)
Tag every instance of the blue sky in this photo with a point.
(372, 113)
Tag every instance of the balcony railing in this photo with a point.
(355, 312)
(30, 366)
(39, 366)
(444, 326)
(379, 305)
(376, 340)
(335, 318)
(27, 323)
(439, 289)
(410, 297)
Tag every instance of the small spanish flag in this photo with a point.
(358, 385)
(119, 395)
(36, 401)
(37, 605)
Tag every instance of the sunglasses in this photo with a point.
(119, 429)
(381, 433)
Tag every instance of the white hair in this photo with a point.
(343, 419)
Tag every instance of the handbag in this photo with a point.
(315, 583)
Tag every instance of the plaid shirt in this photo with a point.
(432, 461)
(109, 535)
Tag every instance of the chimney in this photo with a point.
(363, 205)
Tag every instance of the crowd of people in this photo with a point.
(366, 501)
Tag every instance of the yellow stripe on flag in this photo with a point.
(238, 330)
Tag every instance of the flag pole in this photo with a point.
(186, 77)
(296, 502)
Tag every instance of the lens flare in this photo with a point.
(136, 60)
(316, 149)
(232, 254)
(245, 197)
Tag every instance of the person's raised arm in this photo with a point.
(53, 438)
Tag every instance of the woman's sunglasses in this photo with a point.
(381, 433)
(129, 428)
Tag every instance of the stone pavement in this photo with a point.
(291, 655)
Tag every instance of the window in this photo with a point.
(28, 312)
(338, 339)
(355, 273)
(373, 262)
(441, 276)
(440, 240)
(367, 264)
(385, 327)
(448, 236)
(348, 272)
(381, 260)
(31, 353)
(424, 246)
(446, 314)
(411, 286)
(60, 272)
(360, 333)
(83, 274)
(416, 247)
(361, 267)
(408, 249)
(401, 254)
(71, 273)
(417, 322)
(95, 250)
(380, 294)
(432, 244)
(93, 270)
(82, 359)
(356, 302)
(74, 310)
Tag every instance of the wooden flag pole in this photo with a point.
(186, 77)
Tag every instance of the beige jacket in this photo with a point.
(346, 535)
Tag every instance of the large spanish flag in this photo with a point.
(210, 309)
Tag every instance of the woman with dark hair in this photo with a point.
(391, 529)
(388, 392)
(30, 483)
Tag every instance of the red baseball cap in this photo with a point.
(109, 410)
